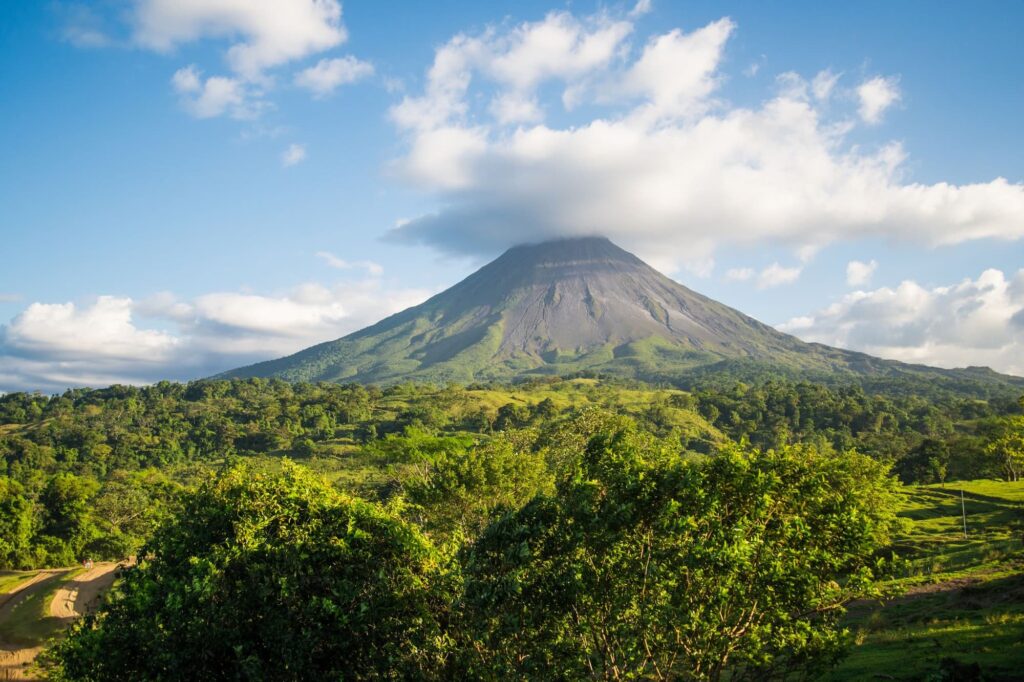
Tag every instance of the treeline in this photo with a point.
(590, 551)
(926, 441)
(90, 473)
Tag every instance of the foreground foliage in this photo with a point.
(646, 566)
(92, 473)
(640, 562)
(270, 578)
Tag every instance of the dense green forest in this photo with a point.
(554, 529)
(93, 472)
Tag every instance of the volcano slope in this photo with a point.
(586, 305)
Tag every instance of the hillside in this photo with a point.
(577, 305)
(959, 607)
(445, 463)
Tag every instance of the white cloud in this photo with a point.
(558, 48)
(675, 74)
(329, 74)
(372, 268)
(739, 274)
(64, 331)
(807, 252)
(299, 314)
(263, 33)
(641, 8)
(295, 153)
(776, 275)
(513, 107)
(823, 84)
(859, 273)
(119, 340)
(260, 35)
(665, 168)
(212, 97)
(974, 322)
(187, 80)
(876, 96)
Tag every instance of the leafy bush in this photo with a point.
(270, 578)
(645, 566)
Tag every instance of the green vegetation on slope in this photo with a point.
(963, 598)
(517, 489)
(91, 473)
(25, 619)
(585, 307)
(637, 562)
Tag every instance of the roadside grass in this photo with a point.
(964, 598)
(9, 580)
(30, 623)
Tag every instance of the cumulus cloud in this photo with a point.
(214, 96)
(263, 33)
(665, 167)
(823, 84)
(641, 8)
(121, 340)
(294, 154)
(876, 96)
(329, 74)
(739, 274)
(859, 273)
(372, 268)
(770, 276)
(260, 36)
(560, 48)
(64, 331)
(776, 275)
(676, 72)
(974, 322)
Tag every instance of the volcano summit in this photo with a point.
(572, 305)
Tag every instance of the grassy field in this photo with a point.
(28, 622)
(9, 580)
(964, 597)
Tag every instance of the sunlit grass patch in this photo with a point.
(964, 596)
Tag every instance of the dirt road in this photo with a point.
(78, 595)
(15, 659)
(72, 599)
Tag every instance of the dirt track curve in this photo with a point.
(74, 598)
(77, 596)
(14, 658)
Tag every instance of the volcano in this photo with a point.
(576, 306)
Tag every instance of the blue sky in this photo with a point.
(188, 187)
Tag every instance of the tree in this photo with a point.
(304, 447)
(511, 416)
(927, 463)
(464, 490)
(646, 566)
(16, 525)
(127, 509)
(67, 515)
(270, 577)
(544, 411)
(1007, 447)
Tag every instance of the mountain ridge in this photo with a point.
(568, 306)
